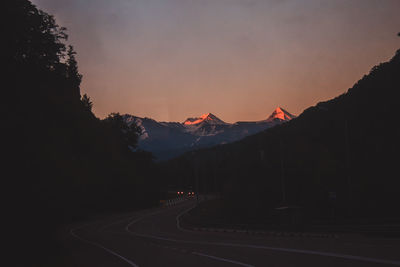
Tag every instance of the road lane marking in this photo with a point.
(290, 250)
(222, 259)
(312, 252)
(174, 240)
(72, 232)
(178, 217)
(103, 228)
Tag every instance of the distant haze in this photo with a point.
(239, 59)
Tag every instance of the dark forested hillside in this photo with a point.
(62, 162)
(340, 154)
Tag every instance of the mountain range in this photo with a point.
(170, 139)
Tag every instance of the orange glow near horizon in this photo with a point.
(170, 59)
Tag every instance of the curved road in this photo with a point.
(155, 238)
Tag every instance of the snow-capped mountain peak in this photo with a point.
(280, 114)
(207, 117)
(170, 139)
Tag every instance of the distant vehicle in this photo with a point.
(177, 192)
(190, 192)
(185, 193)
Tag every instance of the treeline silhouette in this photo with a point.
(337, 160)
(62, 163)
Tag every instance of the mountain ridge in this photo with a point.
(207, 117)
(282, 114)
(169, 139)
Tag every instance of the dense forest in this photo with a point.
(62, 163)
(339, 155)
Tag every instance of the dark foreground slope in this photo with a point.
(338, 158)
(61, 161)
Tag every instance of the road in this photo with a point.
(155, 238)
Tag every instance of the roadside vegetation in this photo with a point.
(62, 162)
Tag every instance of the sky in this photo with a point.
(238, 59)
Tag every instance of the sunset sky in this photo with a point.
(239, 59)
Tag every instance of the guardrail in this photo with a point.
(174, 201)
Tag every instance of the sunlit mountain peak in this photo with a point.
(280, 114)
(207, 117)
(170, 139)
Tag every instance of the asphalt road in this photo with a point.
(155, 238)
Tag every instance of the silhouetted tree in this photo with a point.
(63, 163)
(87, 103)
(129, 132)
(73, 75)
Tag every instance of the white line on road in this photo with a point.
(72, 232)
(222, 259)
(312, 252)
(173, 240)
(178, 222)
(104, 227)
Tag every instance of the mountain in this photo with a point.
(280, 114)
(170, 139)
(205, 118)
